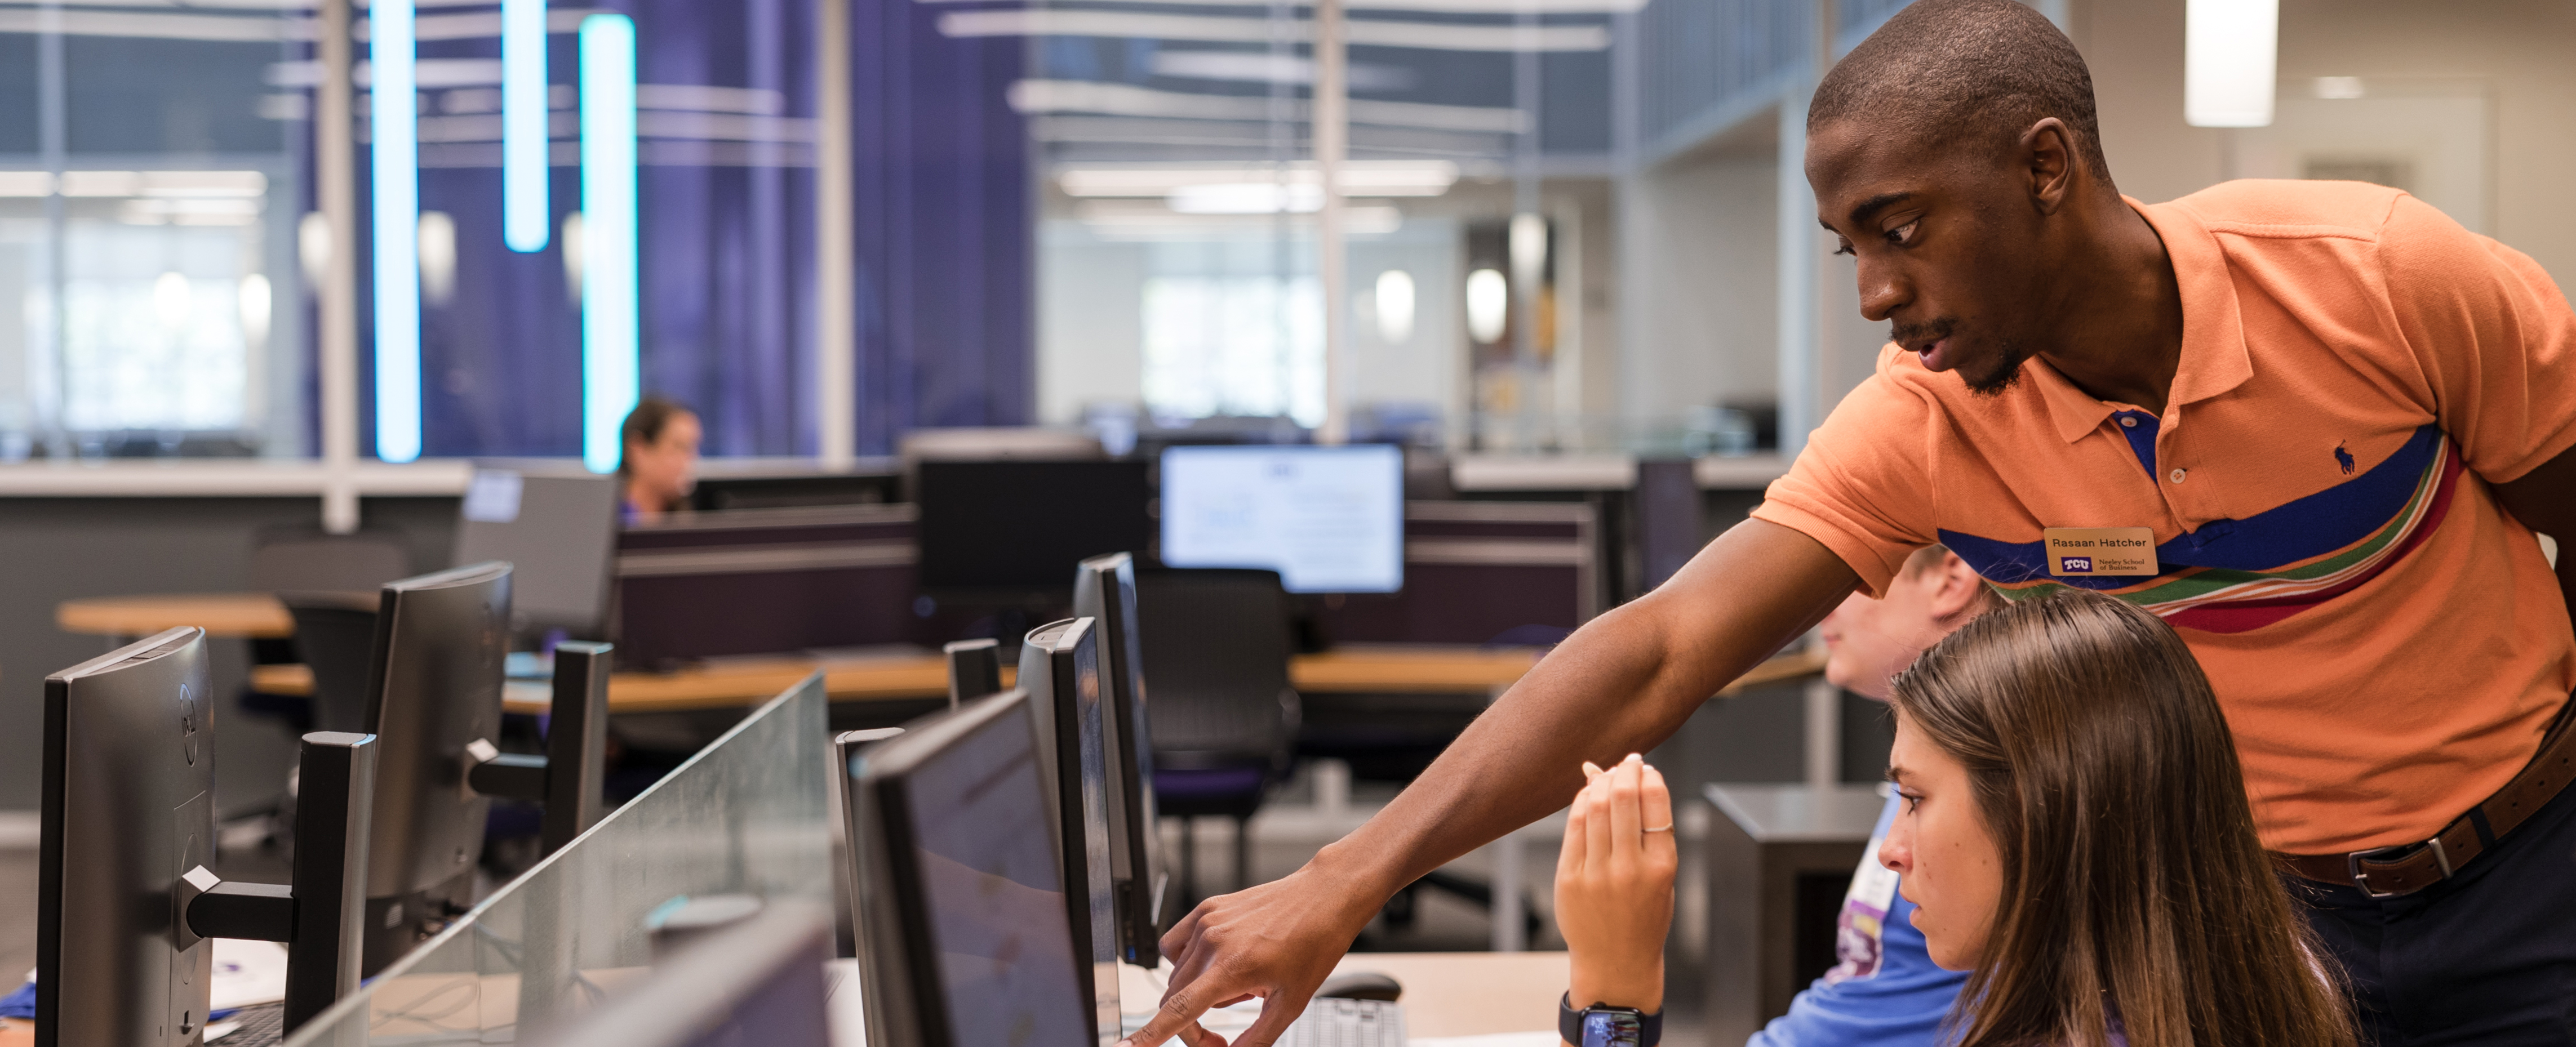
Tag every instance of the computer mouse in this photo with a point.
(1360, 985)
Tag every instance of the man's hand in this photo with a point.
(1276, 941)
(1614, 886)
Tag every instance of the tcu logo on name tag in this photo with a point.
(2092, 552)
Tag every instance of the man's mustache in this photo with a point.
(1911, 335)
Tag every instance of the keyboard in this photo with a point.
(260, 1026)
(1347, 1023)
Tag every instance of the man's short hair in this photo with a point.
(1959, 70)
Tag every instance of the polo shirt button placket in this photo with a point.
(2178, 474)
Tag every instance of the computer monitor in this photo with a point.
(1104, 590)
(974, 669)
(128, 801)
(560, 532)
(758, 982)
(1060, 668)
(434, 687)
(964, 935)
(1328, 519)
(1008, 531)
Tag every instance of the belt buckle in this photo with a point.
(2352, 864)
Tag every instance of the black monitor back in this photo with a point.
(1060, 668)
(1104, 590)
(128, 801)
(1008, 531)
(434, 682)
(964, 936)
(559, 532)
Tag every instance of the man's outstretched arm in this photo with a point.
(1621, 684)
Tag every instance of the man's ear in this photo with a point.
(2048, 159)
(1956, 589)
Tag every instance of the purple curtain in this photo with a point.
(945, 281)
(727, 236)
(944, 289)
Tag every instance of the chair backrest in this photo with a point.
(1216, 642)
(301, 560)
(334, 634)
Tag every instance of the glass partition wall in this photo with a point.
(165, 247)
(152, 183)
(1180, 282)
(1070, 212)
(748, 815)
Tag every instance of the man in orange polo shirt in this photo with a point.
(2315, 426)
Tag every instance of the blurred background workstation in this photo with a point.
(491, 422)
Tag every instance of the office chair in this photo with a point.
(300, 559)
(1223, 717)
(333, 634)
(297, 558)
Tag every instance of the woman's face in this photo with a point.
(667, 467)
(1953, 873)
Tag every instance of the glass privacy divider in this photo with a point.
(747, 815)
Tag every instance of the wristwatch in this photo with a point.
(1602, 1025)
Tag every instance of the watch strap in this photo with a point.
(1569, 1022)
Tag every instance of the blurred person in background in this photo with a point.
(660, 464)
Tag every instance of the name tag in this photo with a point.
(2093, 551)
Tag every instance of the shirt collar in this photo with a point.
(2214, 357)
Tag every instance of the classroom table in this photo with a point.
(738, 682)
(1445, 993)
(747, 682)
(256, 616)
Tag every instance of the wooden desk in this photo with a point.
(1471, 993)
(1445, 993)
(751, 681)
(252, 615)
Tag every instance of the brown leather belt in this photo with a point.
(2387, 872)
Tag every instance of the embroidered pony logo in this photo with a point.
(2344, 459)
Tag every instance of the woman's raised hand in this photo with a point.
(1614, 885)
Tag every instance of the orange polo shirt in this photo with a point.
(2357, 368)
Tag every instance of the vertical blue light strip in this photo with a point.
(525, 220)
(610, 318)
(395, 115)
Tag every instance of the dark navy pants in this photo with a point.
(2487, 956)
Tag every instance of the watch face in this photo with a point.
(1610, 1029)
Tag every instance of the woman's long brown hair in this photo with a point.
(2133, 884)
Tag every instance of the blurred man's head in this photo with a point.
(1867, 641)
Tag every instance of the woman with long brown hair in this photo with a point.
(2076, 834)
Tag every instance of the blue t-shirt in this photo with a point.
(1886, 990)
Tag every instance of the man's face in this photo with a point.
(1949, 246)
